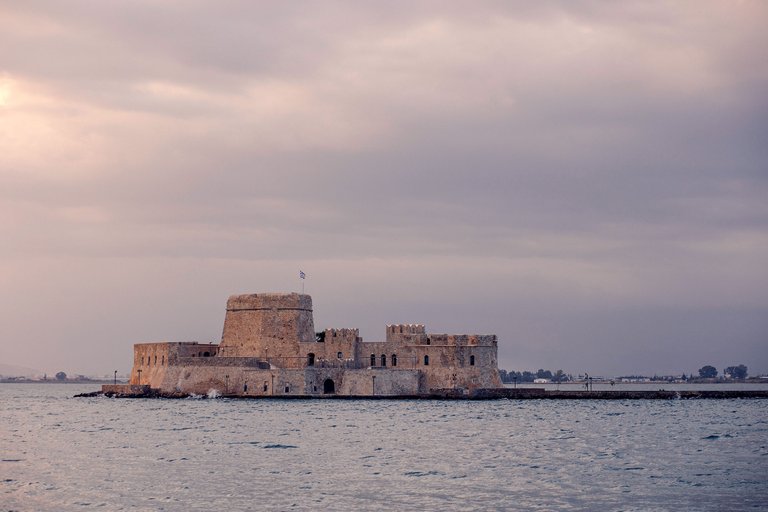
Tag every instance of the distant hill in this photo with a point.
(11, 370)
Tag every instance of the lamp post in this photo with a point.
(373, 386)
(514, 379)
(226, 385)
(115, 377)
(139, 372)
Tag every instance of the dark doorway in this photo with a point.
(310, 359)
(329, 387)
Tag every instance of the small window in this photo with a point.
(428, 341)
(265, 386)
(394, 360)
(287, 389)
(426, 360)
(471, 360)
(162, 361)
(142, 360)
(373, 359)
(155, 360)
(339, 355)
(311, 359)
(206, 354)
(383, 360)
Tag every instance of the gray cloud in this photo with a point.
(587, 180)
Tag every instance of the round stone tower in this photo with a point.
(267, 325)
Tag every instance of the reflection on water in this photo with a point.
(62, 453)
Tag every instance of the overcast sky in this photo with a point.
(588, 180)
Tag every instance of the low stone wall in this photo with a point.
(126, 390)
(388, 391)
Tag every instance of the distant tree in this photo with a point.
(527, 377)
(544, 374)
(61, 376)
(559, 376)
(683, 377)
(503, 375)
(707, 372)
(736, 372)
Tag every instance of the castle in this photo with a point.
(269, 348)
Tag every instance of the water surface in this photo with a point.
(63, 453)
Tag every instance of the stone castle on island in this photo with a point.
(269, 348)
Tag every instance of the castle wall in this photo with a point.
(373, 382)
(406, 333)
(153, 359)
(267, 325)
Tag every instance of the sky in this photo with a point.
(588, 180)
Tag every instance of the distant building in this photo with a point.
(269, 348)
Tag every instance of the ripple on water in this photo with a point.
(363, 454)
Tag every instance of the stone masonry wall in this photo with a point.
(267, 325)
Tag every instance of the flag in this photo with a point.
(302, 275)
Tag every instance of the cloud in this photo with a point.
(550, 171)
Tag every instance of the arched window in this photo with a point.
(373, 359)
(142, 360)
(339, 355)
(394, 360)
(206, 354)
(383, 360)
(155, 360)
(428, 341)
(471, 360)
(426, 360)
(311, 359)
(162, 361)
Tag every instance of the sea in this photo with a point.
(59, 453)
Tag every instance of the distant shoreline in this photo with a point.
(16, 380)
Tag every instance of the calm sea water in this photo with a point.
(63, 453)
